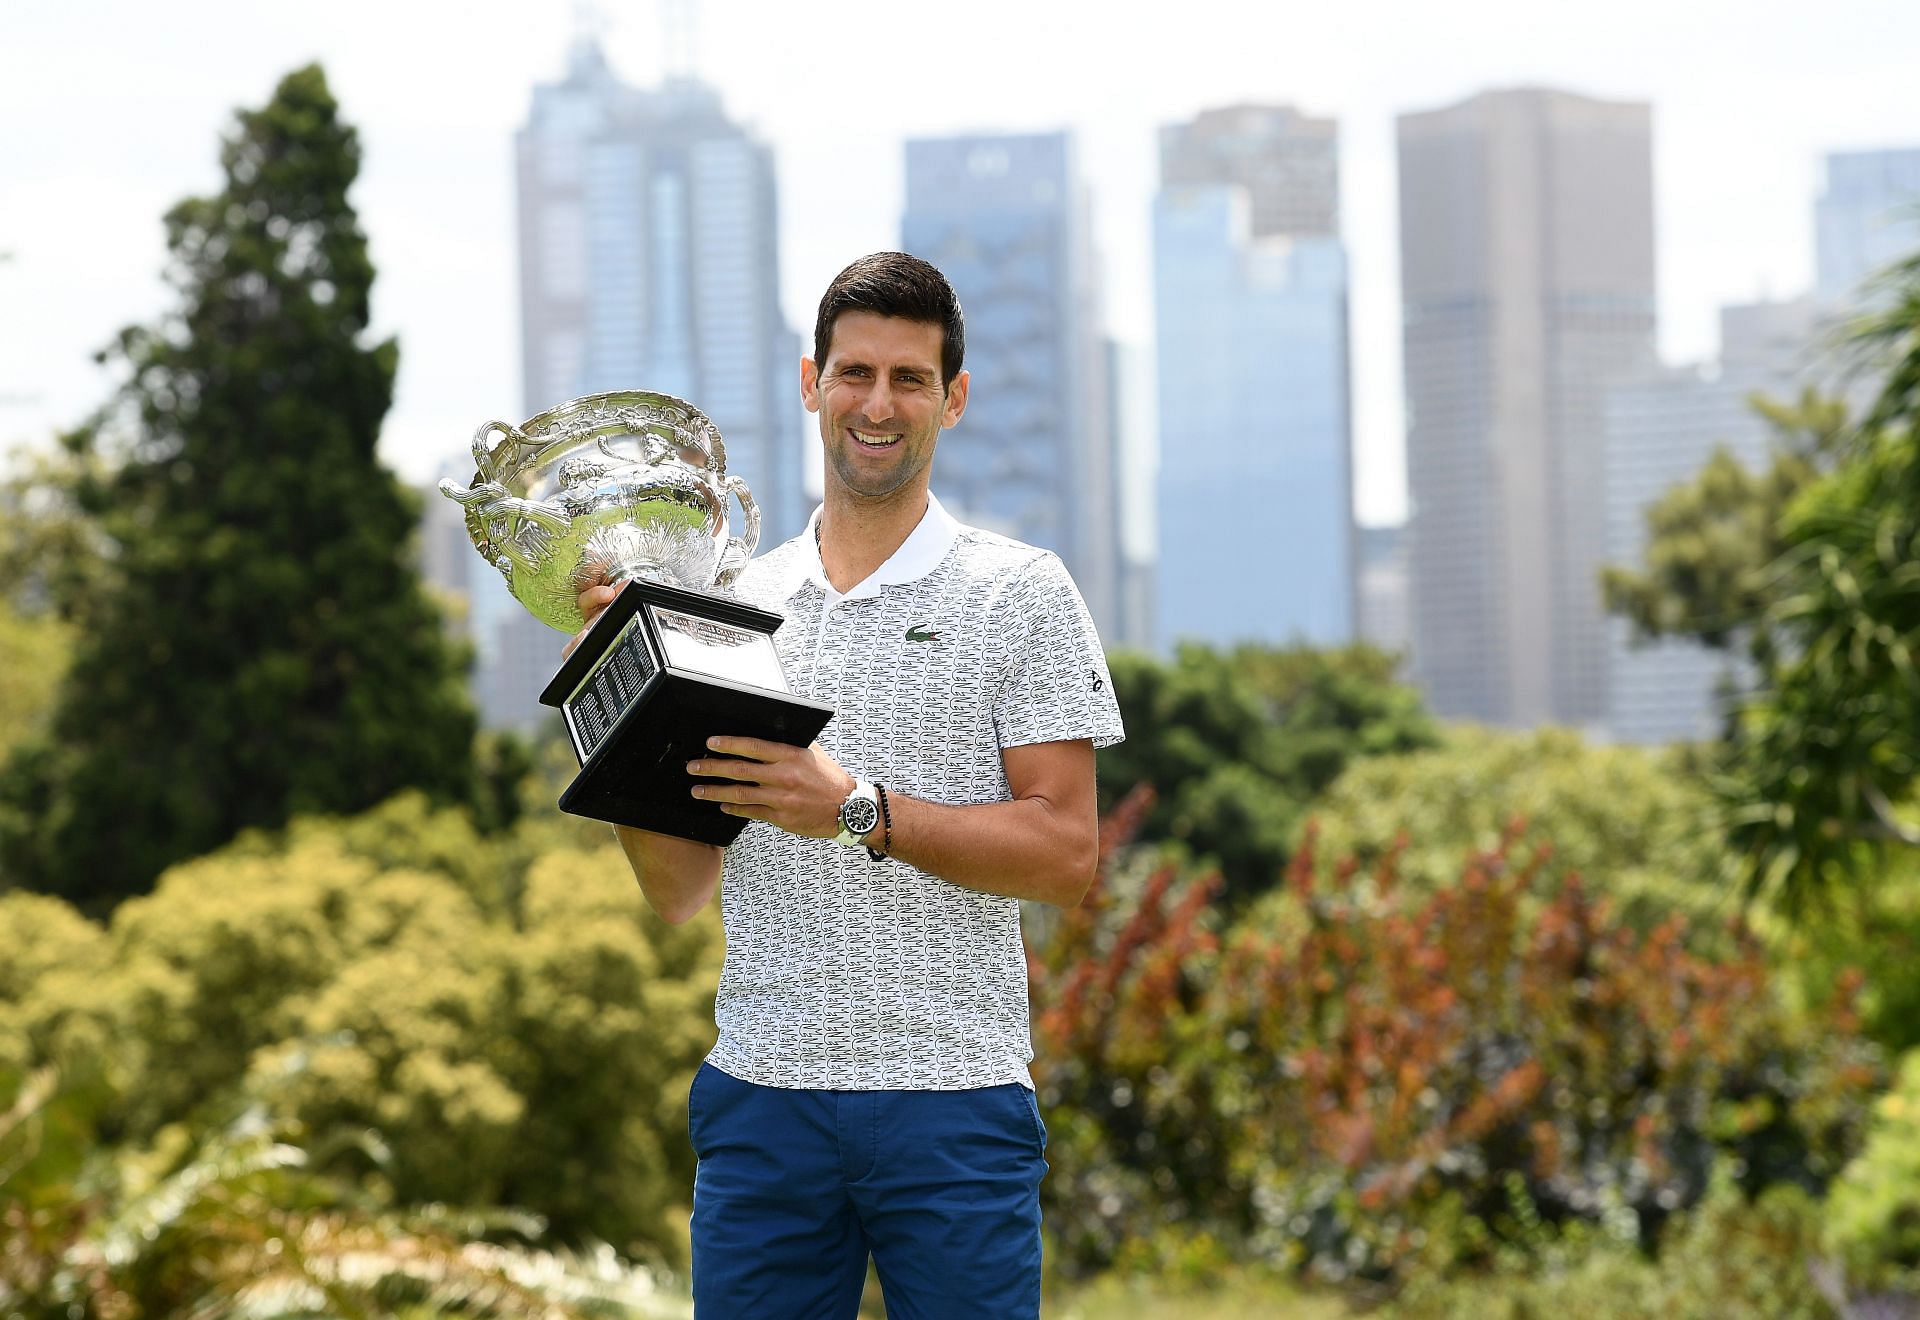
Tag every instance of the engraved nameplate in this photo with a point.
(613, 684)
(719, 650)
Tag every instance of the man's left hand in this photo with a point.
(800, 789)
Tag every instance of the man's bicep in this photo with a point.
(1058, 773)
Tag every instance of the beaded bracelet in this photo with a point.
(886, 826)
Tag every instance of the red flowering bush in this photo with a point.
(1347, 1079)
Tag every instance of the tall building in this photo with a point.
(1662, 427)
(1380, 588)
(446, 555)
(1868, 218)
(648, 260)
(1254, 490)
(1006, 218)
(1130, 412)
(1527, 283)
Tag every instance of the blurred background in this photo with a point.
(1485, 438)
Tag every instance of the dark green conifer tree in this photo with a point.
(259, 644)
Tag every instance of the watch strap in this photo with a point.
(862, 806)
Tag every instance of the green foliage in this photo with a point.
(1236, 744)
(1353, 1074)
(1731, 1258)
(1629, 822)
(234, 1221)
(1226, 1294)
(54, 556)
(33, 657)
(1704, 572)
(1816, 563)
(507, 1014)
(1873, 1215)
(256, 644)
(1824, 760)
(1865, 944)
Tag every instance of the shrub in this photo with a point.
(1622, 817)
(507, 1014)
(232, 1220)
(1352, 1072)
(1873, 1214)
(1729, 1257)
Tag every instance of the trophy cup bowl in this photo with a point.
(632, 487)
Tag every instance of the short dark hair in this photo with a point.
(895, 284)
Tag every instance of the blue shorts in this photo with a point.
(796, 1188)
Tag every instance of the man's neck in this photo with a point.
(858, 535)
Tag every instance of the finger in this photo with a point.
(757, 749)
(595, 599)
(728, 767)
(744, 795)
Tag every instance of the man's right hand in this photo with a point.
(593, 601)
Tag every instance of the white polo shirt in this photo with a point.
(845, 973)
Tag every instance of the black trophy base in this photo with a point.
(662, 671)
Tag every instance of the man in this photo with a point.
(869, 1090)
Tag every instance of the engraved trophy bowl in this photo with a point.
(632, 487)
(614, 486)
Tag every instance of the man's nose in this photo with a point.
(879, 402)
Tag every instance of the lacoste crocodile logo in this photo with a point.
(921, 633)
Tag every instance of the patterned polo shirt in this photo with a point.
(846, 973)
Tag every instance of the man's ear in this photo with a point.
(810, 384)
(956, 399)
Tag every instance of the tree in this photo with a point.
(257, 643)
(1710, 541)
(1236, 744)
(1824, 759)
(33, 655)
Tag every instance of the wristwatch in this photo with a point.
(859, 815)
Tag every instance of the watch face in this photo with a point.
(859, 815)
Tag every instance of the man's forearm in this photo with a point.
(1027, 848)
(678, 876)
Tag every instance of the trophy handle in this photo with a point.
(483, 452)
(740, 548)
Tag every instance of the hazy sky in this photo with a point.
(111, 110)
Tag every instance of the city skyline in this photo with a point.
(436, 90)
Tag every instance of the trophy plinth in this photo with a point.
(663, 670)
(632, 487)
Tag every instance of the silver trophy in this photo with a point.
(632, 487)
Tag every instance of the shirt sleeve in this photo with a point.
(1057, 687)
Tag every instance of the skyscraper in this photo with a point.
(1868, 217)
(1380, 586)
(1005, 217)
(1255, 525)
(648, 260)
(1527, 282)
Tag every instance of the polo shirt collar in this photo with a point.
(926, 545)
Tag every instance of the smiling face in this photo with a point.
(881, 402)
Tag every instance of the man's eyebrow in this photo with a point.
(915, 368)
